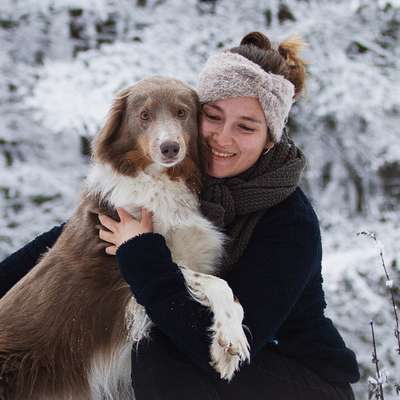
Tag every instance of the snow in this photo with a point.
(63, 61)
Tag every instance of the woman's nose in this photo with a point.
(223, 135)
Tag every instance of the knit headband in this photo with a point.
(228, 74)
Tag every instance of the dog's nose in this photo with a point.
(169, 149)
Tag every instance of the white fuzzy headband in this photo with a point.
(229, 74)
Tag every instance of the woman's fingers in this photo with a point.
(108, 222)
(127, 228)
(106, 236)
(124, 216)
(147, 218)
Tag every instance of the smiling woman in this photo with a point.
(273, 258)
(235, 130)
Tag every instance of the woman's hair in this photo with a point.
(284, 61)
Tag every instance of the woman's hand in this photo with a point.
(127, 228)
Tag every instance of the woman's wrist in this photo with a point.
(145, 240)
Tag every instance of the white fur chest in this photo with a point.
(171, 202)
(194, 242)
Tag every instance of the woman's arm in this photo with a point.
(268, 281)
(157, 283)
(18, 264)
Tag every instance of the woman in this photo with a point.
(272, 263)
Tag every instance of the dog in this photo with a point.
(68, 326)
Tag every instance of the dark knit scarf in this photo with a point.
(236, 204)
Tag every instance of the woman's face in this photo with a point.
(235, 131)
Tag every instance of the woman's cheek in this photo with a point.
(251, 149)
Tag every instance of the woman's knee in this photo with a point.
(160, 371)
(274, 376)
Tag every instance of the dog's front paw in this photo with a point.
(229, 347)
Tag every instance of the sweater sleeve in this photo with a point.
(18, 264)
(268, 281)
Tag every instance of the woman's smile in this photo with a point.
(221, 155)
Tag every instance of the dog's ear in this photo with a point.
(109, 133)
(201, 143)
(195, 142)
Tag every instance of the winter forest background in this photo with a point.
(61, 62)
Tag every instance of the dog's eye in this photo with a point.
(145, 115)
(181, 113)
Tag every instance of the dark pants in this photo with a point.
(160, 372)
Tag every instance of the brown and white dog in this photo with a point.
(68, 326)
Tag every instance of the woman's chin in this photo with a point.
(218, 172)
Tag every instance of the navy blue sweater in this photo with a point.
(277, 280)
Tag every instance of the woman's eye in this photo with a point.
(246, 128)
(213, 117)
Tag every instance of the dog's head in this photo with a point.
(154, 122)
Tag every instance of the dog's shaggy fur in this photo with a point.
(68, 326)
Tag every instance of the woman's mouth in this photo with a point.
(220, 154)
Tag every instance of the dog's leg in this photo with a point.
(137, 321)
(229, 345)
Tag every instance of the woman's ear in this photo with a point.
(109, 133)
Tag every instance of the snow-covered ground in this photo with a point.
(61, 63)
